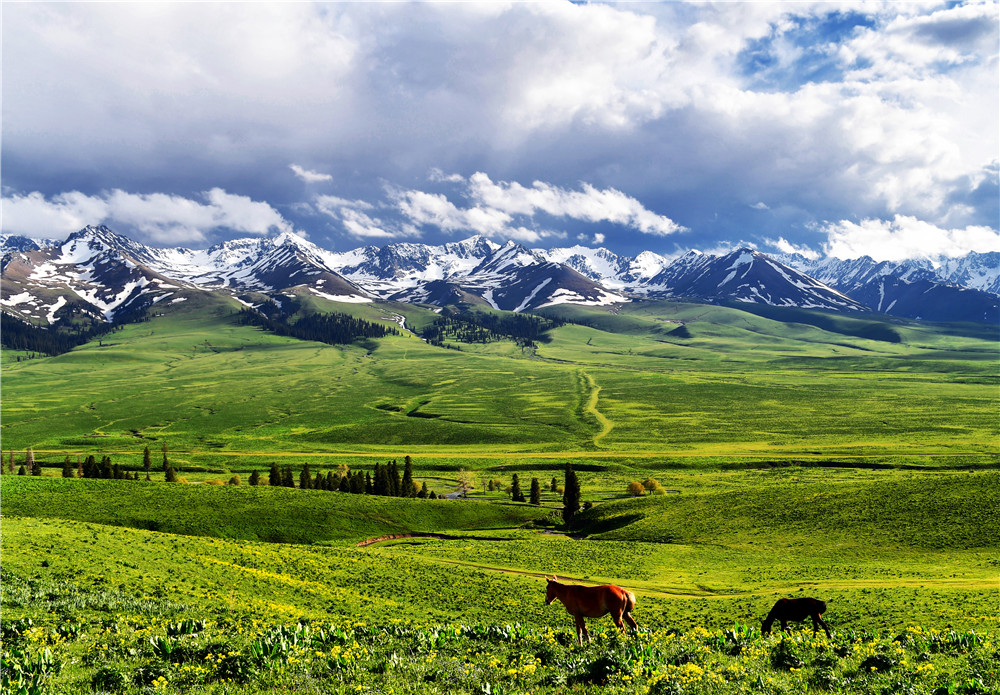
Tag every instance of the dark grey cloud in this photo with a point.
(821, 111)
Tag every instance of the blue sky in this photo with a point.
(830, 128)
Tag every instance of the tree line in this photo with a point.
(386, 480)
(474, 327)
(21, 335)
(333, 329)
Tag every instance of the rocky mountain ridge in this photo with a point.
(104, 275)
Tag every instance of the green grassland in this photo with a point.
(853, 459)
(740, 386)
(892, 552)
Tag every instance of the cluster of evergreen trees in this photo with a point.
(20, 335)
(75, 327)
(386, 480)
(90, 468)
(474, 327)
(333, 329)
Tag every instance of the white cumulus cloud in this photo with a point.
(905, 237)
(155, 217)
(309, 176)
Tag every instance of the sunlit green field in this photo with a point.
(800, 455)
(741, 386)
(888, 550)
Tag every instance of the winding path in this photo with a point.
(591, 407)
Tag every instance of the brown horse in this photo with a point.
(592, 602)
(796, 609)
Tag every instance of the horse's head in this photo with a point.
(550, 590)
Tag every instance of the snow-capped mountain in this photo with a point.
(92, 274)
(399, 268)
(104, 276)
(606, 267)
(928, 300)
(745, 275)
(977, 271)
(957, 290)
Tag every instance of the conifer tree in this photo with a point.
(254, 479)
(345, 485)
(423, 491)
(381, 482)
(171, 475)
(305, 478)
(368, 484)
(79, 466)
(287, 479)
(331, 481)
(571, 495)
(320, 482)
(515, 489)
(106, 471)
(274, 476)
(395, 480)
(409, 488)
(433, 495)
(554, 486)
(67, 468)
(536, 492)
(20, 470)
(116, 472)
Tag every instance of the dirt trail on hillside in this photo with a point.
(591, 407)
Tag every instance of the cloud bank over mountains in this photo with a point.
(841, 128)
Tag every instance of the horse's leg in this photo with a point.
(784, 626)
(826, 628)
(631, 621)
(581, 629)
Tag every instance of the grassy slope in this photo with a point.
(885, 548)
(740, 385)
(279, 515)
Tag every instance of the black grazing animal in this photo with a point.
(796, 609)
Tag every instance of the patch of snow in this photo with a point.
(344, 298)
(60, 303)
(531, 296)
(16, 299)
(565, 296)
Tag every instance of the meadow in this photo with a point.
(799, 454)
(221, 396)
(208, 606)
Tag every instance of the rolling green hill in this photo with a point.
(627, 382)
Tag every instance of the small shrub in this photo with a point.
(879, 663)
(235, 480)
(784, 657)
(636, 489)
(108, 679)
